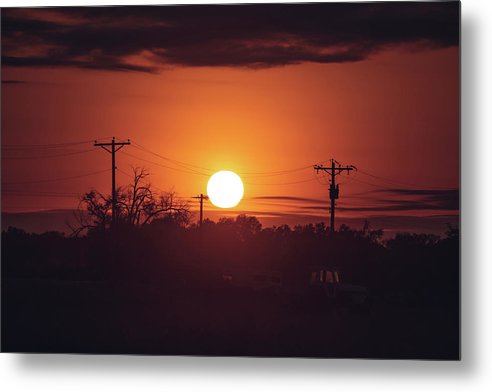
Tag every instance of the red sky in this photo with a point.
(394, 114)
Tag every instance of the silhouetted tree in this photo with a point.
(247, 226)
(137, 205)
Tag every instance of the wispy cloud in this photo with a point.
(8, 81)
(392, 200)
(148, 38)
(288, 198)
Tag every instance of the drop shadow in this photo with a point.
(230, 368)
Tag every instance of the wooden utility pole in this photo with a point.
(201, 196)
(114, 147)
(334, 189)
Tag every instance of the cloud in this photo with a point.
(9, 81)
(416, 200)
(394, 200)
(150, 38)
(444, 199)
(425, 192)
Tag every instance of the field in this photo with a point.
(99, 317)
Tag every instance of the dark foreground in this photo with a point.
(98, 317)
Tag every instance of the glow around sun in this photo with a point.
(225, 189)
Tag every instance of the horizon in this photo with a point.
(41, 221)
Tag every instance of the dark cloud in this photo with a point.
(148, 38)
(394, 199)
(96, 63)
(415, 199)
(9, 81)
(423, 192)
(443, 199)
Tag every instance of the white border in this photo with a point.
(129, 373)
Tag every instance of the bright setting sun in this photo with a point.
(225, 189)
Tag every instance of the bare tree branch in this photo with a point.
(137, 205)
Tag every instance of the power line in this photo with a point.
(51, 156)
(384, 187)
(278, 172)
(125, 173)
(273, 173)
(133, 177)
(368, 183)
(188, 166)
(156, 187)
(39, 194)
(37, 207)
(55, 179)
(189, 171)
(176, 162)
(165, 166)
(400, 183)
(283, 183)
(50, 145)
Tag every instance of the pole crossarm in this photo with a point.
(338, 169)
(113, 142)
(200, 196)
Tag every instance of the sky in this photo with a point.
(266, 91)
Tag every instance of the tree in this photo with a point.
(137, 204)
(247, 226)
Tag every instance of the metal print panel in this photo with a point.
(232, 180)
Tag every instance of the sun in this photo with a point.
(225, 189)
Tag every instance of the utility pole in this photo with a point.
(334, 189)
(114, 147)
(201, 196)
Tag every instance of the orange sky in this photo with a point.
(394, 115)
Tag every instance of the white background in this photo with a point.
(473, 372)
